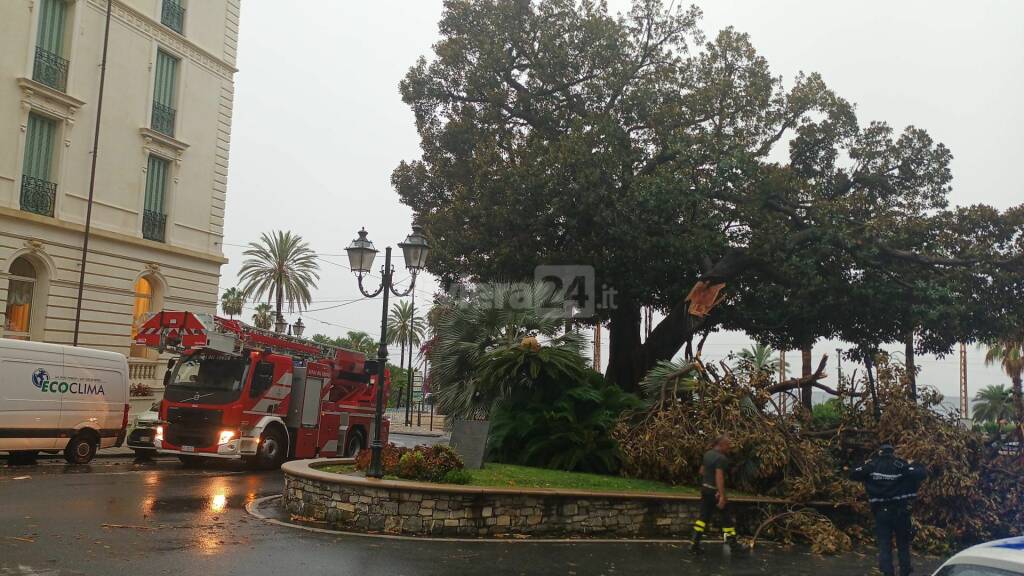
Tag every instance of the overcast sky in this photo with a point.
(319, 124)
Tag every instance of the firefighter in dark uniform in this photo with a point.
(891, 484)
(712, 494)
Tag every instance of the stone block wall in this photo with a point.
(356, 504)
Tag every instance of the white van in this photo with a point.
(55, 397)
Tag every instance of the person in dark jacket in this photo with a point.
(712, 493)
(891, 484)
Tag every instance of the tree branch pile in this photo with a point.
(973, 493)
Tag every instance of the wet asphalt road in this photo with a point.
(118, 517)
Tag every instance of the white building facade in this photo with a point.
(161, 176)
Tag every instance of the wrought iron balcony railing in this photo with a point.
(50, 69)
(163, 119)
(173, 15)
(153, 225)
(38, 195)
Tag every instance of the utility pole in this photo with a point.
(782, 378)
(839, 364)
(92, 177)
(597, 347)
(963, 381)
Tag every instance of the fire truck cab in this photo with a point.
(236, 391)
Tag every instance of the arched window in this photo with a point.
(21, 286)
(144, 295)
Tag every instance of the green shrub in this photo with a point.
(412, 466)
(827, 415)
(457, 477)
(390, 455)
(562, 424)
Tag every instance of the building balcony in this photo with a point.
(37, 195)
(145, 378)
(50, 69)
(163, 119)
(153, 225)
(172, 15)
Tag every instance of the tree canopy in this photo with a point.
(553, 132)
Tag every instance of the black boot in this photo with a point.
(695, 547)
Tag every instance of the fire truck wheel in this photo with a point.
(191, 461)
(355, 445)
(81, 449)
(273, 449)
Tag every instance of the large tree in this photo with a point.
(555, 133)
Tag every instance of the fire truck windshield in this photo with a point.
(207, 379)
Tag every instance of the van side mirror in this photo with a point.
(262, 379)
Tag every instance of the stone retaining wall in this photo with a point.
(353, 503)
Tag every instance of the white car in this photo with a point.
(998, 558)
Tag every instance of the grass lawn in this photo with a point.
(509, 476)
(339, 468)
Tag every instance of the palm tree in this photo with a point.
(281, 266)
(1009, 354)
(261, 317)
(231, 302)
(466, 332)
(361, 342)
(992, 404)
(757, 359)
(403, 326)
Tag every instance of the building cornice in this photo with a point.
(110, 235)
(173, 146)
(154, 29)
(31, 88)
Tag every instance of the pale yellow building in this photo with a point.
(161, 178)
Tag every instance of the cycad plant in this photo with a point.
(992, 404)
(563, 419)
(758, 359)
(231, 302)
(282, 267)
(494, 317)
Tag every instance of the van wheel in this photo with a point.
(81, 449)
(355, 445)
(273, 449)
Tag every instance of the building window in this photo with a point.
(21, 285)
(163, 93)
(143, 306)
(50, 67)
(154, 219)
(38, 191)
(172, 15)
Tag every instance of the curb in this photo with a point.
(422, 434)
(253, 509)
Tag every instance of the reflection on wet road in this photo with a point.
(117, 517)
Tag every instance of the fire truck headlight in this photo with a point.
(159, 437)
(226, 436)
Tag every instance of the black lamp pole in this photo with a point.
(361, 253)
(376, 470)
(412, 333)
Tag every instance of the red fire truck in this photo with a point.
(236, 391)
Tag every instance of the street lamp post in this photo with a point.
(361, 253)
